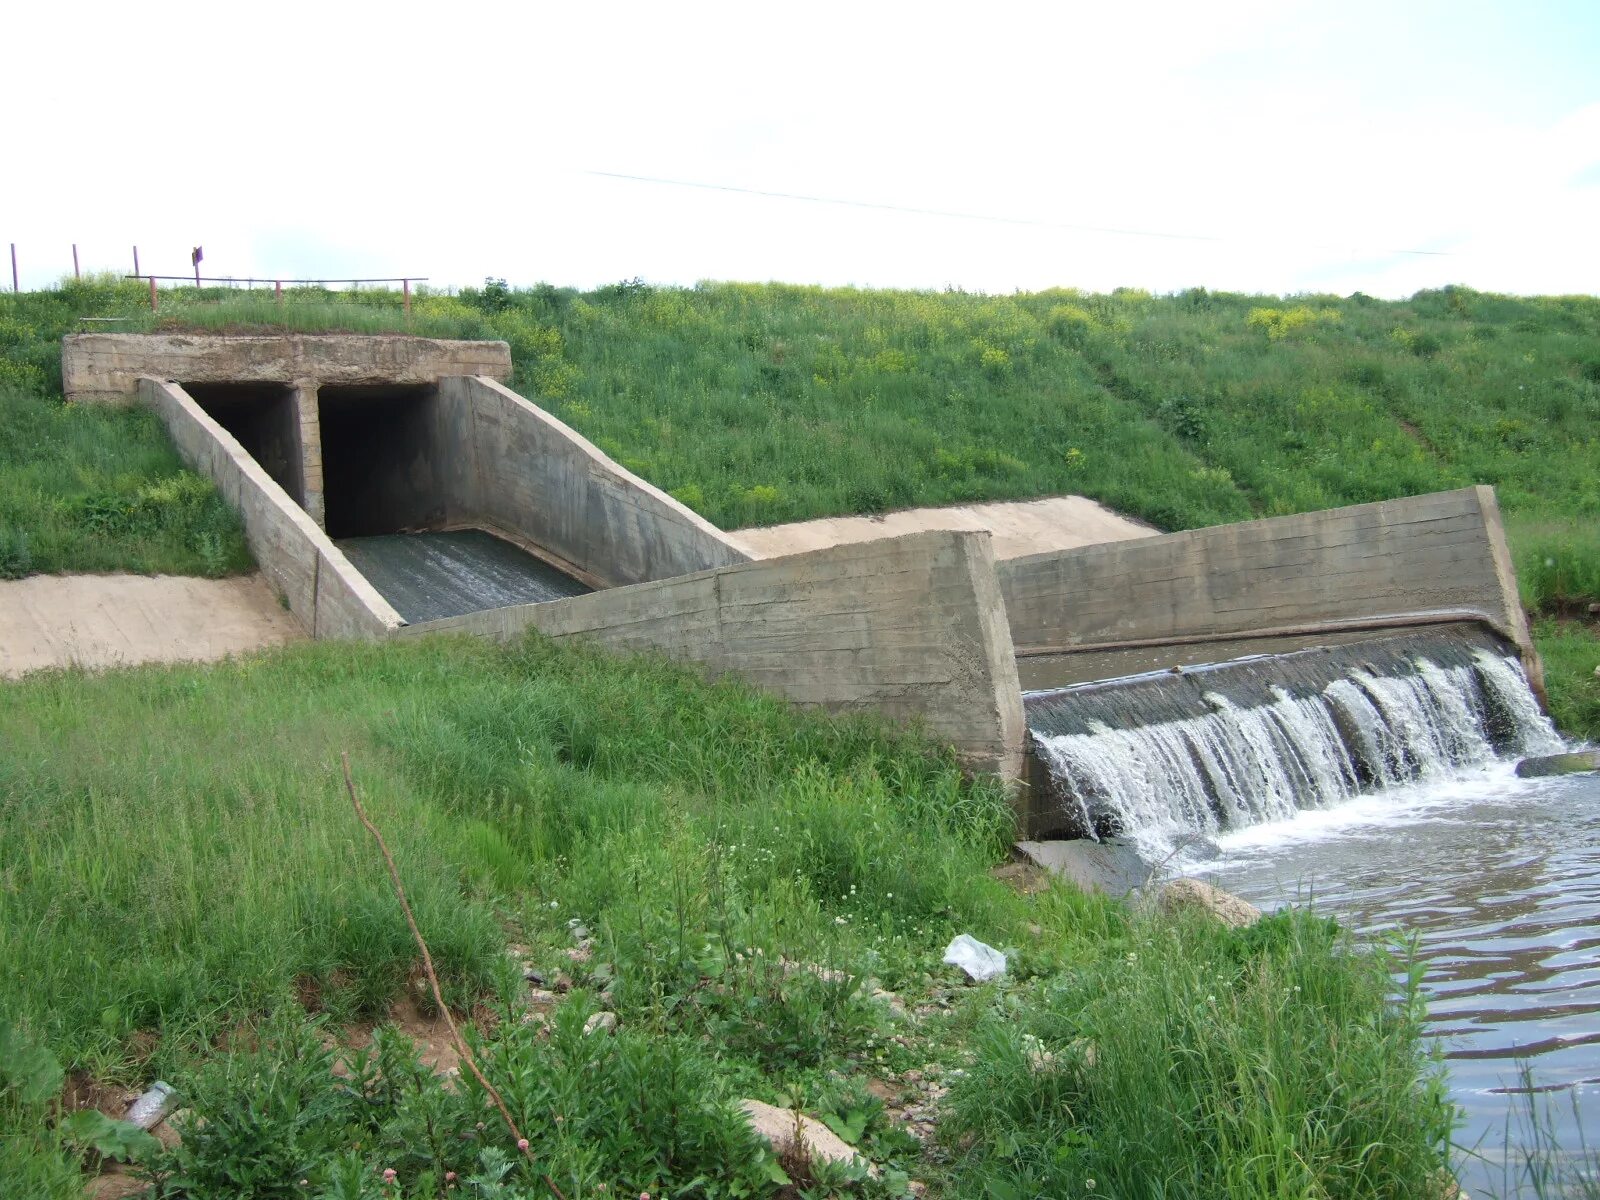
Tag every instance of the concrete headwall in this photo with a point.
(1399, 559)
(910, 626)
(318, 584)
(106, 367)
(525, 472)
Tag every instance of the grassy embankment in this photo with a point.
(728, 855)
(186, 895)
(758, 404)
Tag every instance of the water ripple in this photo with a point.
(1499, 884)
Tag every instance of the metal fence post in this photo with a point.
(75, 273)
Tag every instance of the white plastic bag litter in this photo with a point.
(980, 962)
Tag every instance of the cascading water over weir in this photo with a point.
(1160, 757)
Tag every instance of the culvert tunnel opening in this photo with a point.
(263, 418)
(392, 507)
(379, 469)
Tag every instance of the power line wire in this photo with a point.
(960, 216)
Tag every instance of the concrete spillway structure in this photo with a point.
(395, 487)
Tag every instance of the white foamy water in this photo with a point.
(1390, 801)
(1163, 784)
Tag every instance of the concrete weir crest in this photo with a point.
(348, 455)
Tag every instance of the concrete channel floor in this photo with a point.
(97, 621)
(1020, 527)
(428, 576)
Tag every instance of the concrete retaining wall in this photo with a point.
(525, 472)
(911, 626)
(1397, 558)
(326, 594)
(106, 367)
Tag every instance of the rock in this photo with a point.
(1559, 764)
(170, 1131)
(1107, 867)
(1039, 1059)
(783, 1128)
(1183, 894)
(541, 1000)
(600, 1022)
(895, 1005)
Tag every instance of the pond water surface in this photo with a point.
(1498, 879)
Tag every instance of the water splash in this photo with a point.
(1161, 759)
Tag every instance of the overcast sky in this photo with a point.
(1276, 147)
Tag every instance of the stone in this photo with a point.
(542, 1000)
(600, 1022)
(1183, 894)
(170, 1131)
(1108, 867)
(1559, 764)
(789, 1132)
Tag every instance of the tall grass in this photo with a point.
(1196, 1066)
(101, 489)
(761, 403)
(178, 862)
(1571, 655)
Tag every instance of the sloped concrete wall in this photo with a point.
(1366, 564)
(525, 472)
(107, 367)
(328, 596)
(911, 626)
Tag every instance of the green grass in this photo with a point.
(101, 489)
(1571, 655)
(763, 403)
(1067, 1098)
(179, 869)
(179, 859)
(770, 402)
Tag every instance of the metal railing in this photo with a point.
(405, 282)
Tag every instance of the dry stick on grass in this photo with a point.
(433, 979)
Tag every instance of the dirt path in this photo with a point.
(1020, 527)
(98, 621)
